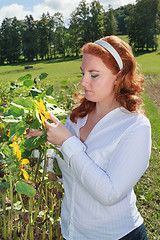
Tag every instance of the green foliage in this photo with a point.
(147, 189)
(142, 25)
(111, 27)
(20, 170)
(24, 188)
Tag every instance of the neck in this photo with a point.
(102, 109)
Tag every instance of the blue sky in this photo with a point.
(28, 4)
(21, 8)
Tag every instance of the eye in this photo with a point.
(82, 74)
(94, 75)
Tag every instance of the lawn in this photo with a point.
(57, 70)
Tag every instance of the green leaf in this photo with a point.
(16, 110)
(19, 129)
(34, 92)
(49, 91)
(34, 142)
(26, 77)
(64, 87)
(36, 124)
(12, 88)
(1, 110)
(51, 101)
(24, 188)
(64, 82)
(28, 83)
(10, 119)
(25, 102)
(43, 75)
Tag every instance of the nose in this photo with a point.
(84, 80)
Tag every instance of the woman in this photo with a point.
(106, 145)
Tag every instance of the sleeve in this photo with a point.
(129, 161)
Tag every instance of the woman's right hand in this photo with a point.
(33, 133)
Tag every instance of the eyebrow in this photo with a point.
(90, 70)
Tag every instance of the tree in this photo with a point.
(59, 34)
(110, 22)
(142, 25)
(29, 38)
(42, 30)
(10, 40)
(79, 28)
(75, 33)
(51, 30)
(121, 14)
(96, 20)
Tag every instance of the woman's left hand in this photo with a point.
(57, 132)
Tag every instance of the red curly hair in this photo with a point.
(129, 83)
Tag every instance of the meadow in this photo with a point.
(64, 75)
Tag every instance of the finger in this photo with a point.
(33, 132)
(54, 119)
(47, 124)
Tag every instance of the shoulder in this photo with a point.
(135, 121)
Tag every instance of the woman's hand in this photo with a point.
(57, 132)
(33, 133)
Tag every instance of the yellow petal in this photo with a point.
(25, 161)
(8, 134)
(42, 119)
(15, 146)
(47, 115)
(18, 153)
(40, 105)
(25, 174)
(14, 138)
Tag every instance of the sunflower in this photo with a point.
(24, 161)
(42, 111)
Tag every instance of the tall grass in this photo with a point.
(148, 188)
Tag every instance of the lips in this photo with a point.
(87, 91)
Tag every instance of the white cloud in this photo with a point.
(12, 11)
(65, 7)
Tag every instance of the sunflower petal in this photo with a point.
(25, 174)
(47, 115)
(25, 161)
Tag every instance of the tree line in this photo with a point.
(47, 38)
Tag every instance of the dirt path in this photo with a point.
(152, 88)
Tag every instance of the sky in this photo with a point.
(21, 8)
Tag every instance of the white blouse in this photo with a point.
(99, 175)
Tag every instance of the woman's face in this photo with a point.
(98, 81)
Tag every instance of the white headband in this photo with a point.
(110, 49)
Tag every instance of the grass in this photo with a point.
(149, 62)
(147, 189)
(57, 70)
